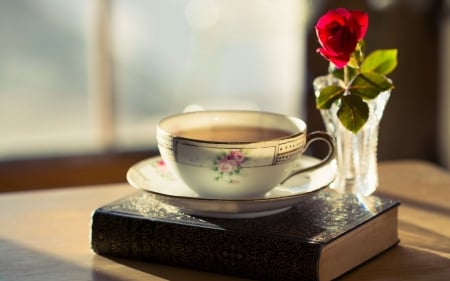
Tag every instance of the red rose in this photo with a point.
(339, 31)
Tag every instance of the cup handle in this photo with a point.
(310, 138)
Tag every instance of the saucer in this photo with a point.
(153, 176)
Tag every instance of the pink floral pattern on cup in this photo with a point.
(228, 166)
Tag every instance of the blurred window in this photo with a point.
(87, 76)
(44, 97)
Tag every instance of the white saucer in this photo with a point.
(153, 176)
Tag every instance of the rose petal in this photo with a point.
(362, 20)
(339, 60)
(338, 32)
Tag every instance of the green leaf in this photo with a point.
(369, 85)
(357, 56)
(353, 62)
(353, 112)
(328, 95)
(336, 72)
(339, 72)
(380, 61)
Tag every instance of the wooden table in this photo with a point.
(44, 235)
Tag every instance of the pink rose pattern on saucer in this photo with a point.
(162, 170)
(228, 166)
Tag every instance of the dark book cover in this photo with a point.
(284, 246)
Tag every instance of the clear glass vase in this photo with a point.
(356, 154)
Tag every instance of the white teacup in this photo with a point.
(235, 154)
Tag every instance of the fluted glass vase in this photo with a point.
(356, 154)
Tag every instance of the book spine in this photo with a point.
(209, 249)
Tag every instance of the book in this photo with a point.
(320, 238)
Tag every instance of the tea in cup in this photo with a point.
(235, 154)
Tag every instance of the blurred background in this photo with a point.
(83, 83)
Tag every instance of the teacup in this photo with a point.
(235, 154)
